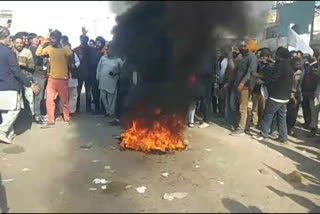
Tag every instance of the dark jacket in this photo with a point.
(280, 85)
(39, 63)
(85, 55)
(11, 77)
(266, 70)
(309, 83)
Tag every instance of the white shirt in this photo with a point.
(223, 64)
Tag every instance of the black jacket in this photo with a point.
(280, 85)
(11, 77)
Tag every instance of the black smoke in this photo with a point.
(169, 42)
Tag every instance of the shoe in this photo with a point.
(191, 125)
(204, 125)
(238, 132)
(282, 141)
(312, 133)
(47, 126)
(5, 139)
(273, 136)
(306, 126)
(259, 137)
(115, 122)
(12, 136)
(67, 122)
(39, 120)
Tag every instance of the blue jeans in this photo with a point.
(40, 82)
(231, 107)
(275, 109)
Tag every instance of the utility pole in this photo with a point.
(312, 24)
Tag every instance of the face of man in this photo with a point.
(83, 41)
(54, 41)
(35, 41)
(243, 49)
(7, 41)
(99, 45)
(297, 66)
(26, 40)
(19, 44)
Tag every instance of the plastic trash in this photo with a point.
(165, 174)
(141, 189)
(171, 196)
(8, 180)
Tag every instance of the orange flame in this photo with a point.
(164, 135)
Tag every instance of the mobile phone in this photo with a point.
(9, 21)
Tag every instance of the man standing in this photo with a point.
(11, 82)
(83, 72)
(39, 77)
(279, 90)
(58, 76)
(244, 69)
(315, 102)
(293, 105)
(264, 72)
(26, 63)
(98, 52)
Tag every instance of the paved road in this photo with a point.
(237, 175)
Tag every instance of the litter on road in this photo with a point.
(98, 124)
(128, 186)
(92, 189)
(165, 174)
(95, 161)
(25, 169)
(8, 180)
(86, 146)
(107, 167)
(101, 181)
(208, 150)
(220, 182)
(171, 196)
(104, 187)
(141, 189)
(112, 147)
(111, 171)
(197, 166)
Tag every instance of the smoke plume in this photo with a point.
(172, 44)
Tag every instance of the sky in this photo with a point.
(65, 16)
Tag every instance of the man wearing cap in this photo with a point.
(11, 82)
(279, 90)
(244, 69)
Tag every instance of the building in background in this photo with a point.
(5, 18)
(300, 15)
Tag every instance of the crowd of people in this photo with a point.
(274, 84)
(46, 76)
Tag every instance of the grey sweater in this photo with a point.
(244, 68)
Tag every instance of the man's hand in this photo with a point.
(34, 88)
(240, 87)
(45, 42)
